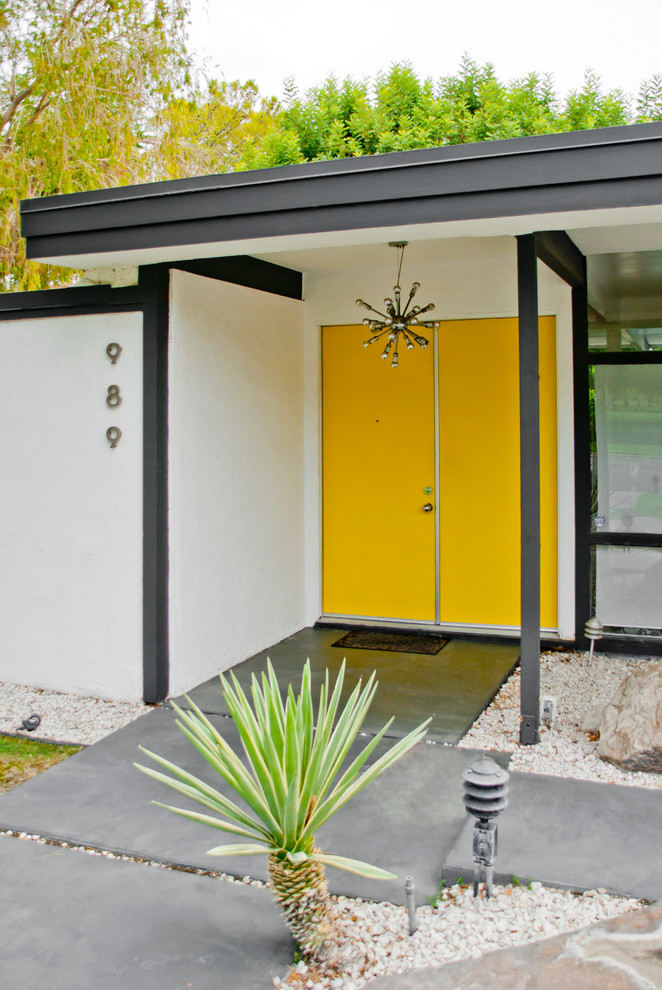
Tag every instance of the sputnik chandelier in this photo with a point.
(398, 321)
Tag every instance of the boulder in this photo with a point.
(631, 726)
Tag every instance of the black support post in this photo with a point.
(154, 280)
(583, 610)
(527, 291)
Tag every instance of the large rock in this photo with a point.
(631, 727)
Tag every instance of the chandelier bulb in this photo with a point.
(410, 346)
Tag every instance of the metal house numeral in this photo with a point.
(113, 351)
(114, 435)
(113, 398)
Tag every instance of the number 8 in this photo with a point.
(113, 398)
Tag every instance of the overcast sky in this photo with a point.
(266, 40)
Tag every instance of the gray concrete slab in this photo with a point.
(406, 822)
(622, 954)
(453, 686)
(576, 834)
(71, 921)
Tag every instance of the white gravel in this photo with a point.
(460, 927)
(565, 750)
(68, 718)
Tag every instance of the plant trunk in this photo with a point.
(303, 897)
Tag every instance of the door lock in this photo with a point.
(427, 507)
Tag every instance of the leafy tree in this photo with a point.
(98, 93)
(293, 779)
(399, 112)
(205, 130)
(78, 81)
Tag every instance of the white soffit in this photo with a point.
(594, 231)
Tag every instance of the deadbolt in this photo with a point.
(427, 507)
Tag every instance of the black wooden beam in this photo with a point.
(527, 294)
(560, 253)
(254, 273)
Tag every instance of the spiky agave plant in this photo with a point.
(291, 783)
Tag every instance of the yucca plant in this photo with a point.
(290, 783)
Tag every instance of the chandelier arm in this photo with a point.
(373, 310)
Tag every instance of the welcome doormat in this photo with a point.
(391, 642)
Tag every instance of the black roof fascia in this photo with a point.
(581, 170)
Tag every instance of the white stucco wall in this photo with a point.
(235, 476)
(70, 506)
(482, 284)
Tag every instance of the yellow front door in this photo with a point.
(380, 545)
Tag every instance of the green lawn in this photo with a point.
(21, 759)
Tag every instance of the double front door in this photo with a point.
(421, 476)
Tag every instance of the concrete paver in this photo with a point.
(71, 921)
(577, 834)
(622, 954)
(406, 821)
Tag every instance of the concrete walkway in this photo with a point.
(72, 921)
(107, 924)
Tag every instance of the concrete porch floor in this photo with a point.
(452, 686)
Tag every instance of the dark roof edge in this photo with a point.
(605, 136)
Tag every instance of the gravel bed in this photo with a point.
(459, 927)
(569, 748)
(68, 718)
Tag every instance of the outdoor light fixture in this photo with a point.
(485, 797)
(398, 321)
(592, 631)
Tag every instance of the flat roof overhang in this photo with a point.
(561, 177)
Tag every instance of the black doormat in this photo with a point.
(391, 642)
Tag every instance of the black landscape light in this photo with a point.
(485, 797)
